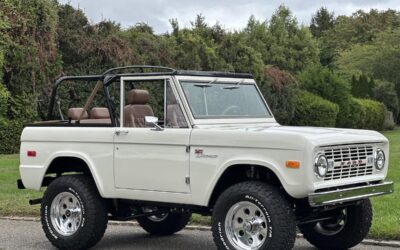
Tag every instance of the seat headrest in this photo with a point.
(75, 113)
(138, 96)
(99, 113)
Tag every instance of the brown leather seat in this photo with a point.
(175, 117)
(100, 115)
(74, 114)
(136, 108)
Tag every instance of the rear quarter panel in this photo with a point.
(92, 145)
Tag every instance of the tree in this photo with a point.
(385, 92)
(281, 41)
(380, 59)
(363, 86)
(324, 82)
(322, 21)
(239, 56)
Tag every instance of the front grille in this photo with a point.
(349, 161)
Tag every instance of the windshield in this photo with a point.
(217, 100)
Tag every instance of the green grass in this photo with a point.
(12, 200)
(386, 224)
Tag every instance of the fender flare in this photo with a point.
(225, 166)
(85, 158)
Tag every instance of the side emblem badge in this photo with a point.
(199, 153)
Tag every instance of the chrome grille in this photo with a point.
(349, 161)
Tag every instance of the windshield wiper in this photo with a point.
(236, 86)
(205, 85)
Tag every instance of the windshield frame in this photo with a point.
(222, 120)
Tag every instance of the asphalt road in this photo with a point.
(29, 235)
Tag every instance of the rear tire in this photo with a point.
(335, 235)
(73, 214)
(165, 224)
(253, 215)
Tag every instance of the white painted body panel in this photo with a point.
(145, 157)
(268, 145)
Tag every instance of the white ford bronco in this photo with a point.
(154, 144)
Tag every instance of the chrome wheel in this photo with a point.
(154, 218)
(332, 227)
(246, 226)
(66, 213)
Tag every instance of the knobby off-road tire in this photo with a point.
(355, 228)
(252, 209)
(73, 214)
(166, 224)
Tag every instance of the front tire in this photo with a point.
(253, 215)
(73, 214)
(347, 230)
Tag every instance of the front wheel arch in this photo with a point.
(237, 173)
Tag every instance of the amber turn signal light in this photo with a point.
(292, 164)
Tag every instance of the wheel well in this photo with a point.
(65, 164)
(239, 173)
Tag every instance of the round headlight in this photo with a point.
(379, 159)
(321, 165)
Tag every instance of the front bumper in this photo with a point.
(349, 194)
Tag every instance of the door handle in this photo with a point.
(121, 132)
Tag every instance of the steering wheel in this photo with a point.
(231, 110)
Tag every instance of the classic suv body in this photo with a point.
(222, 146)
(214, 149)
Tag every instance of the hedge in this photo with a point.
(312, 110)
(351, 114)
(10, 132)
(362, 114)
(374, 114)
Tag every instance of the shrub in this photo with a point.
(10, 132)
(323, 82)
(279, 88)
(361, 113)
(351, 114)
(312, 110)
(374, 114)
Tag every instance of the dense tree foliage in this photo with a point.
(308, 75)
(322, 22)
(362, 86)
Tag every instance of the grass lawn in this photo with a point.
(386, 224)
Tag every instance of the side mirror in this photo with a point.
(151, 121)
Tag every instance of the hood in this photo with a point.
(316, 135)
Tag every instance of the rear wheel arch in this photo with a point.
(241, 172)
(63, 164)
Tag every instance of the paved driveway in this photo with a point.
(29, 235)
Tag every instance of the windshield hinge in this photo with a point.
(187, 149)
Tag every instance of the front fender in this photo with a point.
(271, 165)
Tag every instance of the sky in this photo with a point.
(231, 14)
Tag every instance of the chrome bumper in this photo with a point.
(349, 194)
